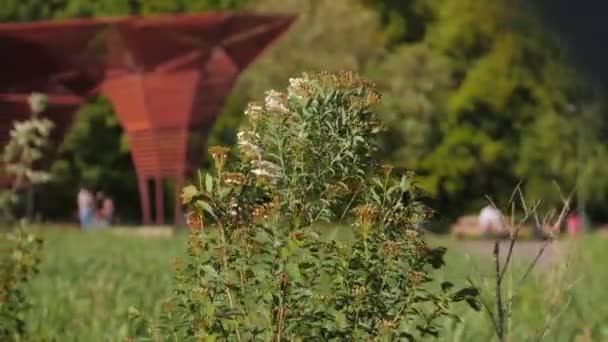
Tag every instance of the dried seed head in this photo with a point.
(219, 154)
(234, 178)
(195, 244)
(248, 145)
(38, 103)
(387, 169)
(416, 277)
(276, 102)
(194, 221)
(254, 112)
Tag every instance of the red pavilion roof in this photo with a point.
(167, 76)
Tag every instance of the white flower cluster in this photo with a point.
(275, 101)
(247, 142)
(34, 130)
(267, 169)
(298, 87)
(248, 146)
(27, 139)
(254, 111)
(38, 103)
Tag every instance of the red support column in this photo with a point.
(144, 199)
(160, 200)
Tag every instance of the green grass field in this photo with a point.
(88, 281)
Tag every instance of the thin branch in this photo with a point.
(534, 262)
(486, 306)
(513, 238)
(516, 190)
(499, 305)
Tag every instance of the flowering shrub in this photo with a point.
(28, 139)
(259, 270)
(20, 250)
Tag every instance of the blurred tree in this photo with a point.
(415, 82)
(478, 138)
(506, 117)
(318, 40)
(404, 21)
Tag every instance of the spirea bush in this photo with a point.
(19, 249)
(259, 267)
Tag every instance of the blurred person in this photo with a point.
(107, 211)
(104, 209)
(86, 207)
(490, 220)
(573, 224)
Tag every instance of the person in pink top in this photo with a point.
(104, 210)
(107, 210)
(573, 224)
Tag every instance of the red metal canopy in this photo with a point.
(167, 77)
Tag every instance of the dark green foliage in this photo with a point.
(503, 115)
(404, 21)
(19, 259)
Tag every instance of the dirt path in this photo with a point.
(523, 251)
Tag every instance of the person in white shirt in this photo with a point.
(490, 220)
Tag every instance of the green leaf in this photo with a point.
(375, 196)
(205, 206)
(293, 271)
(208, 183)
(474, 303)
(209, 309)
(446, 286)
(465, 293)
(133, 312)
(340, 319)
(188, 193)
(435, 257)
(378, 182)
(405, 184)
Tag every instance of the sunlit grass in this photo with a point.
(88, 281)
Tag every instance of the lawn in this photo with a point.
(88, 281)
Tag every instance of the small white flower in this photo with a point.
(275, 101)
(38, 102)
(268, 165)
(254, 111)
(298, 87)
(247, 147)
(297, 83)
(263, 173)
(251, 149)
